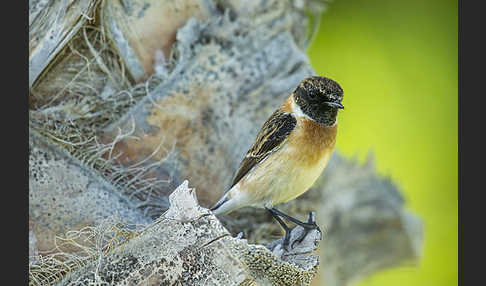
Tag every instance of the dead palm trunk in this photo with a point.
(130, 98)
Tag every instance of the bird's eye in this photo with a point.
(312, 95)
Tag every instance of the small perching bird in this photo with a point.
(289, 153)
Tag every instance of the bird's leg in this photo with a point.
(286, 240)
(308, 226)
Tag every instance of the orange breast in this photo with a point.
(312, 140)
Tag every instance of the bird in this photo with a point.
(290, 152)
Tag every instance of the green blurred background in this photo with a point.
(397, 63)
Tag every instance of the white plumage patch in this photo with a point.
(298, 112)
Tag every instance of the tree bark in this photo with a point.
(189, 246)
(134, 97)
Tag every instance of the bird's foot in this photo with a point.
(308, 226)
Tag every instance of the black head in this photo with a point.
(319, 98)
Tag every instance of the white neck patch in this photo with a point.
(335, 122)
(297, 111)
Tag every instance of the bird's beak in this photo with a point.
(335, 105)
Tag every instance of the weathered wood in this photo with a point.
(189, 246)
(64, 195)
(51, 25)
(367, 226)
(217, 78)
(139, 29)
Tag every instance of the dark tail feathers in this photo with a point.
(223, 200)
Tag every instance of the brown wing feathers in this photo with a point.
(270, 137)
